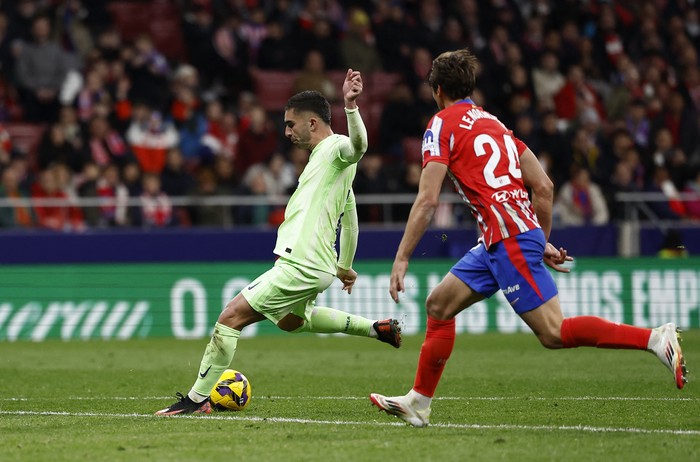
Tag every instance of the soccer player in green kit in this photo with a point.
(307, 262)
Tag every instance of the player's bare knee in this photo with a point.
(290, 323)
(550, 340)
(435, 309)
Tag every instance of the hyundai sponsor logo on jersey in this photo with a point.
(503, 196)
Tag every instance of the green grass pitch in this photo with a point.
(502, 397)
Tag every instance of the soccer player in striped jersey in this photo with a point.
(308, 261)
(490, 169)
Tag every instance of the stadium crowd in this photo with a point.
(172, 102)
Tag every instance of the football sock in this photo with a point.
(217, 358)
(601, 333)
(330, 321)
(436, 350)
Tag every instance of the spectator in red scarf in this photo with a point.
(156, 209)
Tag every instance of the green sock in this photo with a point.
(217, 358)
(330, 321)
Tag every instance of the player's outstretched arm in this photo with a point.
(418, 221)
(542, 189)
(349, 232)
(357, 132)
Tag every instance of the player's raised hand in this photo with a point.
(352, 87)
(398, 271)
(347, 277)
(555, 258)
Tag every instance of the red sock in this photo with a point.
(436, 350)
(598, 332)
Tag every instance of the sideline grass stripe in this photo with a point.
(551, 428)
(359, 398)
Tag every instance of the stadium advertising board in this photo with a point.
(183, 300)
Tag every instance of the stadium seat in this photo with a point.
(161, 20)
(273, 88)
(412, 149)
(25, 138)
(380, 85)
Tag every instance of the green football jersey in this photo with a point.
(308, 234)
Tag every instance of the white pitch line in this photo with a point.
(550, 428)
(359, 398)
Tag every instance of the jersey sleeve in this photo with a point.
(522, 147)
(436, 142)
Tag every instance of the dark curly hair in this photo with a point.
(455, 73)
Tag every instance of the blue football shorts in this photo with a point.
(514, 266)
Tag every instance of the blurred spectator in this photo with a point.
(109, 186)
(204, 214)
(369, 180)
(259, 214)
(232, 56)
(105, 145)
(622, 181)
(452, 36)
(71, 30)
(150, 138)
(682, 124)
(638, 123)
(225, 175)
(555, 144)
(6, 150)
(41, 68)
(87, 188)
(198, 33)
(156, 209)
(670, 208)
(20, 214)
(313, 77)
(175, 180)
(322, 37)
(421, 63)
(55, 148)
(59, 217)
(580, 201)
(257, 143)
(192, 126)
(276, 51)
(279, 175)
(148, 71)
(93, 94)
(665, 155)
(109, 43)
(393, 35)
(131, 178)
(576, 95)
(298, 157)
(222, 135)
(408, 184)
(358, 47)
(429, 25)
(399, 119)
(547, 80)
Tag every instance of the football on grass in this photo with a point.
(232, 392)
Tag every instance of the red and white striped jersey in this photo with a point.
(483, 159)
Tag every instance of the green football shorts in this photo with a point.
(286, 288)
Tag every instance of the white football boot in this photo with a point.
(402, 407)
(668, 350)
